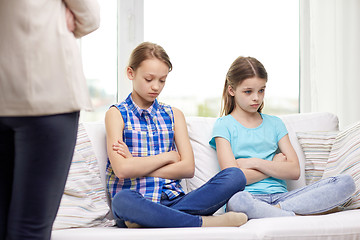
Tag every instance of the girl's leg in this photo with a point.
(184, 211)
(320, 196)
(131, 206)
(207, 199)
(254, 208)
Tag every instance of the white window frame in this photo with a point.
(130, 34)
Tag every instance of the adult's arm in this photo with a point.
(87, 16)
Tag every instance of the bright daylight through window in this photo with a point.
(99, 54)
(202, 38)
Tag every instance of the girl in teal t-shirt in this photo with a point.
(259, 145)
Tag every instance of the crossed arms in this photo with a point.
(284, 165)
(170, 165)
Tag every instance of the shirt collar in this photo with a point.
(138, 111)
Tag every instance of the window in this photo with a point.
(99, 56)
(204, 37)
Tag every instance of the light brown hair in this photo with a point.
(148, 50)
(241, 69)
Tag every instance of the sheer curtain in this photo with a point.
(330, 58)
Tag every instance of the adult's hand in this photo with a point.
(70, 20)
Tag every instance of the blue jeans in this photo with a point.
(183, 211)
(35, 156)
(318, 197)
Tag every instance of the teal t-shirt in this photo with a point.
(260, 142)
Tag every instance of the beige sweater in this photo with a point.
(40, 64)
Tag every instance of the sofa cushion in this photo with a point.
(345, 159)
(316, 147)
(342, 225)
(195, 233)
(338, 226)
(206, 164)
(84, 201)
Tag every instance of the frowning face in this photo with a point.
(249, 94)
(148, 81)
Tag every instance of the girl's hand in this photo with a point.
(174, 156)
(121, 148)
(70, 20)
(280, 157)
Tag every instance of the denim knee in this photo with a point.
(241, 202)
(235, 179)
(346, 183)
(122, 203)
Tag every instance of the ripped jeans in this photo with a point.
(318, 197)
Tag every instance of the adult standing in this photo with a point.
(42, 90)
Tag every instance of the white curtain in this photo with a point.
(330, 58)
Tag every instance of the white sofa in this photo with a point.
(341, 225)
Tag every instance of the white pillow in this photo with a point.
(206, 163)
(84, 201)
(97, 135)
(345, 159)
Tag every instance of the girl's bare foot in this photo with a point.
(132, 225)
(229, 219)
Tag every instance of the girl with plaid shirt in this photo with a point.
(149, 152)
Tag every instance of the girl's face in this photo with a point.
(148, 81)
(249, 94)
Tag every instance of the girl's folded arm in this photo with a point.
(184, 168)
(129, 167)
(283, 166)
(226, 159)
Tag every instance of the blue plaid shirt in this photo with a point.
(146, 133)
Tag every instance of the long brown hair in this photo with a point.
(148, 50)
(242, 68)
